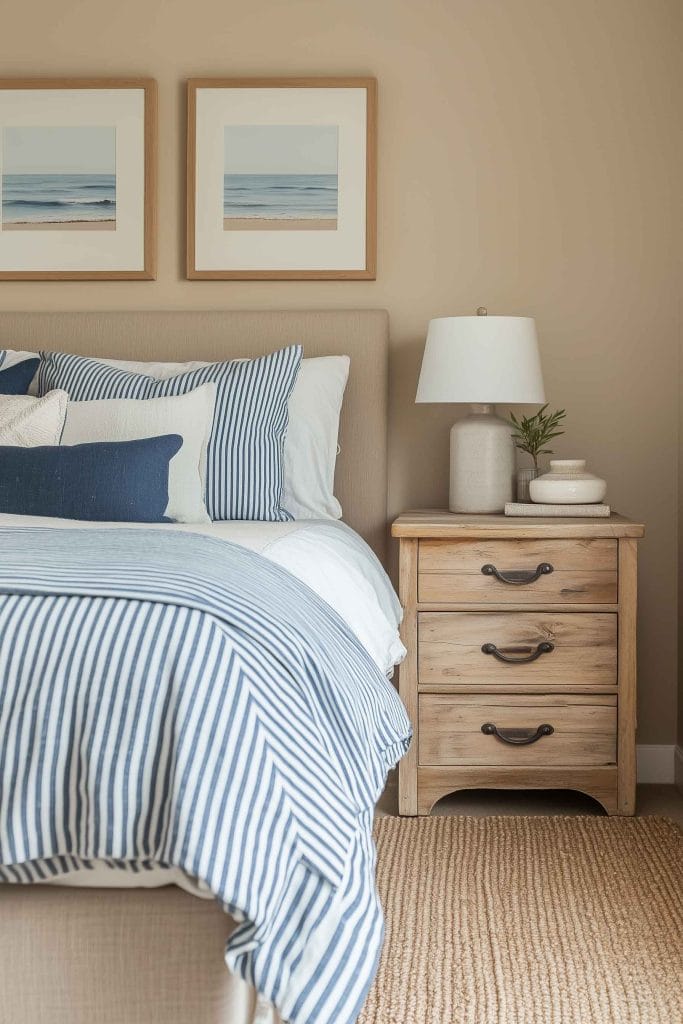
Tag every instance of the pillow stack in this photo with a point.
(130, 419)
(244, 454)
(222, 427)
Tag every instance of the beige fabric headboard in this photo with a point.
(361, 481)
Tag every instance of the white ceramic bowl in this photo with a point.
(567, 483)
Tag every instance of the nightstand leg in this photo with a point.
(407, 687)
(626, 752)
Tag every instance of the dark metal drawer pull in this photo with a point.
(543, 648)
(518, 577)
(517, 737)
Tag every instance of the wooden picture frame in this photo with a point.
(275, 122)
(86, 226)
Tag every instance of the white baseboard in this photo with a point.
(656, 762)
(678, 767)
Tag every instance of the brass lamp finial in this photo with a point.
(482, 311)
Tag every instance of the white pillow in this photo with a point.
(312, 435)
(129, 419)
(311, 442)
(26, 422)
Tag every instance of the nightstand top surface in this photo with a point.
(441, 524)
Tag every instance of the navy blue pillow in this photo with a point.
(16, 380)
(110, 481)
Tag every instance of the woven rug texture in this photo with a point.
(543, 920)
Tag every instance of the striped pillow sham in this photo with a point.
(244, 473)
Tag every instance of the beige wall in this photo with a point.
(527, 161)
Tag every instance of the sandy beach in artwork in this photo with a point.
(62, 225)
(280, 177)
(279, 224)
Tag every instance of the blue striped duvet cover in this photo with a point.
(173, 699)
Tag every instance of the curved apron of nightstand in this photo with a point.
(598, 783)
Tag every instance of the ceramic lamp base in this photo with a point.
(482, 462)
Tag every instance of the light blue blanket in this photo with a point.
(171, 699)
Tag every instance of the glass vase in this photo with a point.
(524, 478)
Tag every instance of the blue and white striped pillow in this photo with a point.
(244, 473)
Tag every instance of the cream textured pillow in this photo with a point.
(130, 419)
(26, 422)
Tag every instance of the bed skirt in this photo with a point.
(118, 957)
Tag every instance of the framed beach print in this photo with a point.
(281, 178)
(77, 179)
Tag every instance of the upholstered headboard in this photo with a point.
(361, 481)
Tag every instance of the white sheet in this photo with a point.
(327, 556)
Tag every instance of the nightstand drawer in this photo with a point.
(503, 650)
(518, 571)
(584, 730)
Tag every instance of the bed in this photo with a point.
(146, 955)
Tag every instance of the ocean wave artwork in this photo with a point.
(34, 199)
(280, 177)
(58, 178)
(280, 196)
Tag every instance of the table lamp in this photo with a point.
(481, 360)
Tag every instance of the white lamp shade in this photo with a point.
(481, 360)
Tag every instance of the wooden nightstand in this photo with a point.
(521, 666)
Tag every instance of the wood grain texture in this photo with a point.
(628, 555)
(559, 588)
(191, 180)
(437, 523)
(511, 606)
(149, 87)
(584, 655)
(584, 571)
(435, 782)
(450, 729)
(407, 769)
(468, 556)
(584, 688)
(369, 272)
(151, 174)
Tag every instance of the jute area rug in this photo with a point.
(541, 920)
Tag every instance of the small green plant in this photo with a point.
(532, 433)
